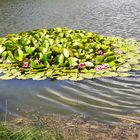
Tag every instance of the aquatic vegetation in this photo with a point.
(62, 53)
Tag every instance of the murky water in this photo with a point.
(100, 99)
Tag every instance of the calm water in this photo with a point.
(100, 99)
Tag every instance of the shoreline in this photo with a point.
(79, 128)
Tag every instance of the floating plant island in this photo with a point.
(62, 53)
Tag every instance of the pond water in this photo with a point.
(101, 99)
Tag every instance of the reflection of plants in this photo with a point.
(63, 53)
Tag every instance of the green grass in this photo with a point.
(28, 133)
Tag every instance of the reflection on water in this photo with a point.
(101, 98)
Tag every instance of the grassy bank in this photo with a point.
(56, 128)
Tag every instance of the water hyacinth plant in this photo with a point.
(62, 53)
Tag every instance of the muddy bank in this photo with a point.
(77, 128)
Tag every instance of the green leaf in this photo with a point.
(51, 41)
(34, 65)
(89, 64)
(29, 50)
(2, 49)
(125, 67)
(66, 52)
(7, 76)
(72, 61)
(111, 64)
(20, 55)
(56, 50)
(49, 72)
(99, 59)
(89, 34)
(63, 77)
(39, 76)
(123, 74)
(4, 54)
(109, 74)
(136, 67)
(43, 50)
(59, 59)
(87, 75)
(45, 44)
(109, 59)
(104, 47)
(24, 41)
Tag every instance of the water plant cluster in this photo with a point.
(62, 53)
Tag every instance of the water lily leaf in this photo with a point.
(4, 54)
(39, 75)
(15, 72)
(79, 78)
(24, 41)
(99, 59)
(10, 55)
(73, 74)
(136, 67)
(111, 64)
(122, 69)
(131, 54)
(49, 72)
(41, 78)
(133, 61)
(18, 54)
(87, 75)
(29, 50)
(89, 64)
(123, 74)
(66, 52)
(122, 59)
(84, 71)
(81, 52)
(30, 75)
(2, 49)
(123, 49)
(51, 41)
(45, 44)
(35, 65)
(57, 50)
(109, 74)
(75, 44)
(72, 61)
(74, 71)
(96, 75)
(92, 71)
(7, 76)
(22, 77)
(59, 59)
(104, 47)
(109, 59)
(45, 58)
(89, 34)
(8, 44)
(63, 77)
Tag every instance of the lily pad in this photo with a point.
(63, 53)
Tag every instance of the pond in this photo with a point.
(102, 99)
